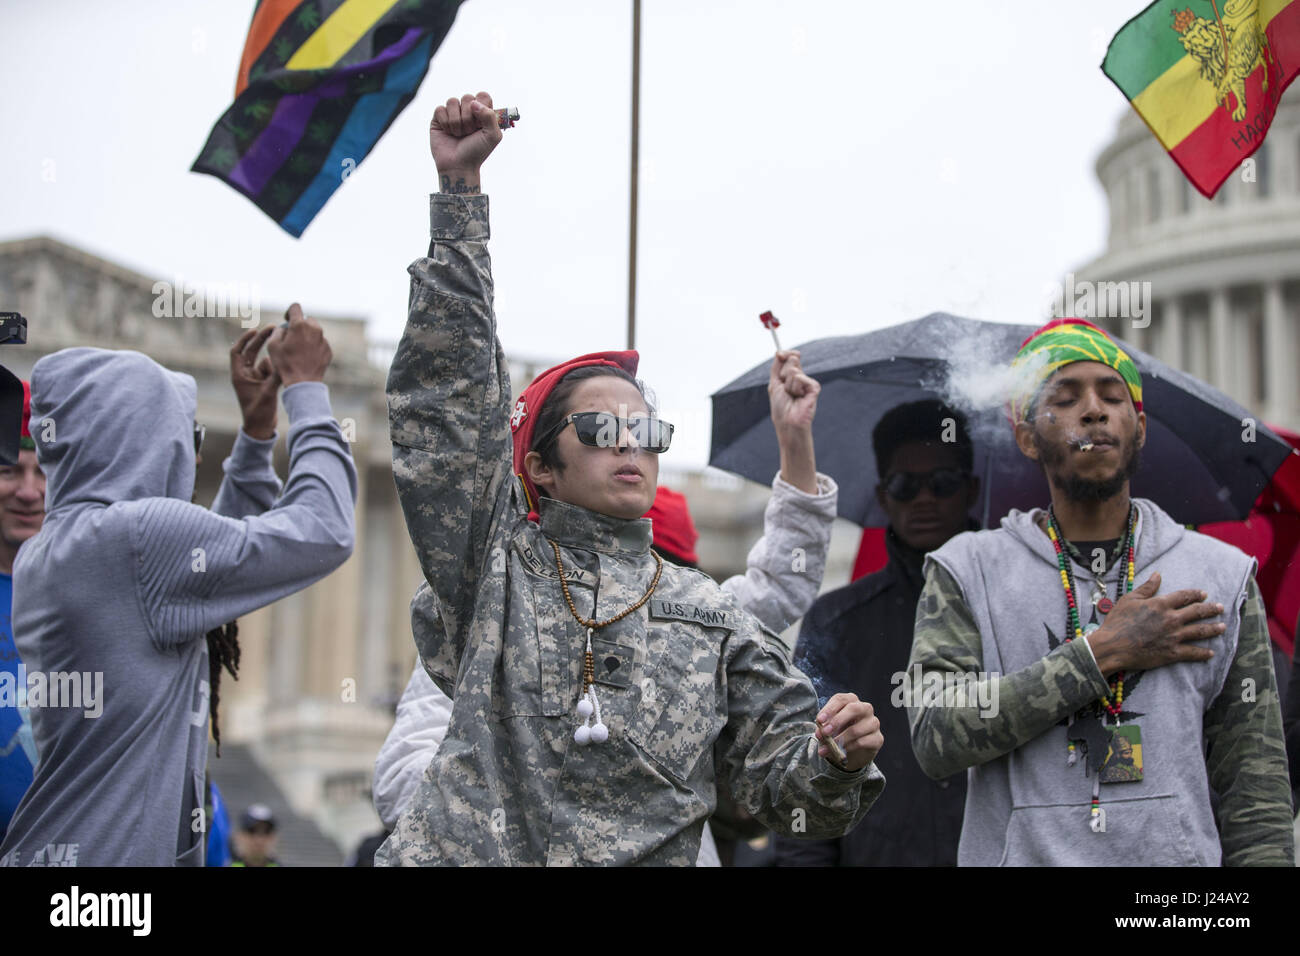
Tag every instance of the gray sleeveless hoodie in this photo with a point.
(1028, 807)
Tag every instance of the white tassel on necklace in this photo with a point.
(589, 705)
(1097, 818)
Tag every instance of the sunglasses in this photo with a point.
(942, 482)
(199, 432)
(605, 430)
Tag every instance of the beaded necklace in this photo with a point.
(1073, 629)
(588, 705)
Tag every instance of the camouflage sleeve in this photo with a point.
(1244, 752)
(1291, 719)
(961, 716)
(448, 405)
(767, 751)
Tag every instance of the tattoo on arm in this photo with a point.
(458, 188)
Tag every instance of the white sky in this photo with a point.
(847, 165)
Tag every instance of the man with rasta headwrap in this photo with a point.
(1131, 657)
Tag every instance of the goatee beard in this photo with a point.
(1088, 490)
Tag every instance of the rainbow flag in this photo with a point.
(1206, 76)
(320, 81)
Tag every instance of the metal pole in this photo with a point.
(1224, 34)
(636, 137)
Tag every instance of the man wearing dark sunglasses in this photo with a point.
(858, 637)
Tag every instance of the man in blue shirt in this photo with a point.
(22, 509)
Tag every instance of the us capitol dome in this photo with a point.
(1224, 293)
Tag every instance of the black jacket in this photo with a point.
(856, 639)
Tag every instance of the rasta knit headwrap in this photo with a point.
(25, 442)
(1065, 341)
(523, 420)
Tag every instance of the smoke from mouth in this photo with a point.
(979, 381)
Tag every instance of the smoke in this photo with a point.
(809, 648)
(980, 382)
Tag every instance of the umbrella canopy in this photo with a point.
(1205, 458)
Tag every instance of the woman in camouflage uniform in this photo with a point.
(690, 687)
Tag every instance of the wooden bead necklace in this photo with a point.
(588, 705)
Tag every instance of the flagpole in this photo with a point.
(636, 136)
(1223, 33)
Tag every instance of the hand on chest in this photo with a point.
(1039, 613)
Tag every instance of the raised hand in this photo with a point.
(299, 352)
(256, 383)
(791, 393)
(462, 135)
(792, 396)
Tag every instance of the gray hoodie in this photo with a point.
(125, 579)
(1211, 723)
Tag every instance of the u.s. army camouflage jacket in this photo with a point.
(690, 686)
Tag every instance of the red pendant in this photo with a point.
(1104, 605)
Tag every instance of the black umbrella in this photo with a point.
(1205, 458)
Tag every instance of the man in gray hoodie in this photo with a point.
(1096, 716)
(113, 598)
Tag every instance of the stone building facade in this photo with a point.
(322, 669)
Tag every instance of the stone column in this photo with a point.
(1171, 332)
(244, 702)
(284, 661)
(329, 651)
(377, 574)
(1279, 356)
(1221, 350)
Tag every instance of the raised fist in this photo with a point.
(461, 136)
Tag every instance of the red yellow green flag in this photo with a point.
(1206, 76)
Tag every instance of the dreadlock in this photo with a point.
(223, 651)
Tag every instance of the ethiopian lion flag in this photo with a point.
(1206, 76)
(319, 83)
